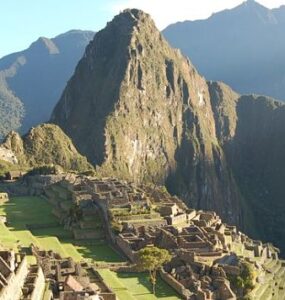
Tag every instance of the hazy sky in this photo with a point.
(23, 21)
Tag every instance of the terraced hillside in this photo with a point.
(271, 276)
(81, 213)
(273, 286)
(130, 206)
(31, 220)
(28, 224)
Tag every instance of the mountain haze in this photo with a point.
(243, 47)
(31, 81)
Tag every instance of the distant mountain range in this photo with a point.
(244, 47)
(31, 81)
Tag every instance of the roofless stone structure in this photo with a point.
(208, 255)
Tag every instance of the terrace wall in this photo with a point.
(39, 286)
(124, 246)
(13, 290)
(177, 286)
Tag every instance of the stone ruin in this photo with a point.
(206, 252)
(69, 280)
(18, 279)
(52, 277)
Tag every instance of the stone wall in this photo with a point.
(13, 290)
(150, 222)
(39, 285)
(192, 245)
(231, 270)
(177, 219)
(30, 185)
(177, 286)
(124, 246)
(106, 293)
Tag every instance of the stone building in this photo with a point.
(14, 175)
(202, 246)
(18, 280)
(70, 280)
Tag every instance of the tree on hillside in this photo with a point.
(151, 259)
(245, 281)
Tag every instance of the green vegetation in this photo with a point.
(246, 280)
(248, 277)
(130, 286)
(11, 108)
(6, 167)
(28, 224)
(151, 259)
(46, 149)
(25, 218)
(45, 170)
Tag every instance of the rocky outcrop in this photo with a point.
(139, 109)
(42, 146)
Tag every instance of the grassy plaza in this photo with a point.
(30, 221)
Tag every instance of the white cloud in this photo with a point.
(165, 12)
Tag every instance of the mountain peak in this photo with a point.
(132, 17)
(136, 97)
(33, 79)
(135, 13)
(251, 4)
(43, 44)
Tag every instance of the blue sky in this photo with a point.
(23, 21)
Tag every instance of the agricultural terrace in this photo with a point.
(30, 220)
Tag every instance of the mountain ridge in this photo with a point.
(147, 114)
(43, 146)
(146, 139)
(246, 47)
(31, 80)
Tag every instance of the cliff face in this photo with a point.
(251, 130)
(43, 145)
(138, 109)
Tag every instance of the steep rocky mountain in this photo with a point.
(32, 80)
(138, 109)
(251, 130)
(41, 146)
(243, 47)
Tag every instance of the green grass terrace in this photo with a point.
(30, 221)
